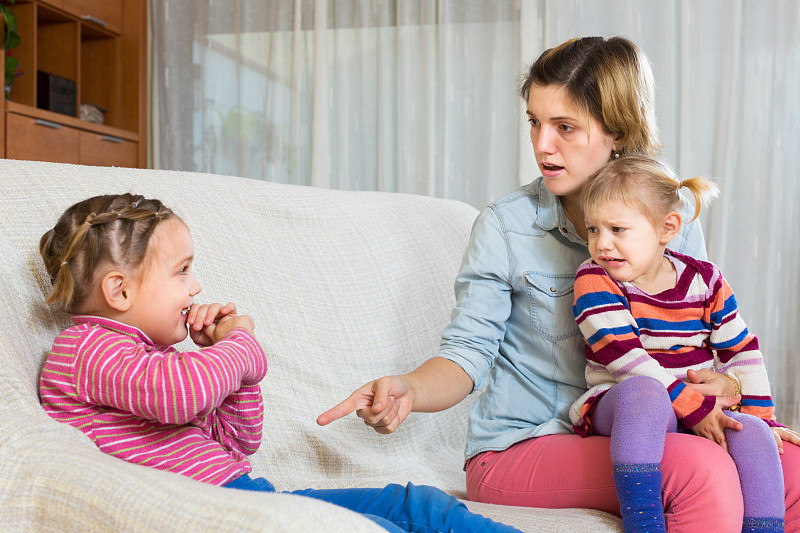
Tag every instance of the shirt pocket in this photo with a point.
(551, 298)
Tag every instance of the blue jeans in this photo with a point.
(396, 508)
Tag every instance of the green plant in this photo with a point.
(11, 40)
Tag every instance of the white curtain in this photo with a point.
(377, 95)
(419, 96)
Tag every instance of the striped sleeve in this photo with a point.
(238, 421)
(612, 335)
(169, 386)
(738, 352)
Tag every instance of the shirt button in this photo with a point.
(552, 289)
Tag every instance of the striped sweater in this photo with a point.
(694, 325)
(196, 413)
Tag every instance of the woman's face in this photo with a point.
(569, 146)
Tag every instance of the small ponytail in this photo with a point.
(58, 269)
(644, 183)
(703, 189)
(63, 287)
(63, 282)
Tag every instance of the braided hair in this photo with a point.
(110, 230)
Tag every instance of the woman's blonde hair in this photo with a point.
(645, 184)
(112, 230)
(610, 80)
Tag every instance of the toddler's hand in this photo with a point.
(713, 425)
(208, 323)
(785, 434)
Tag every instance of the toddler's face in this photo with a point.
(624, 242)
(167, 286)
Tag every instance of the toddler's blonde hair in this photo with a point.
(646, 184)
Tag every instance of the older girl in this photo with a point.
(121, 265)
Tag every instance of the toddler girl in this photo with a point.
(121, 265)
(649, 316)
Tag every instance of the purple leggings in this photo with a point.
(637, 413)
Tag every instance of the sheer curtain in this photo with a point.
(387, 95)
(420, 97)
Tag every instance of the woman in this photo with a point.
(512, 331)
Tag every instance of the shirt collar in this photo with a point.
(113, 325)
(550, 215)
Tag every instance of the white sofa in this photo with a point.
(343, 286)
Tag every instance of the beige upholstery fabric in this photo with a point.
(343, 287)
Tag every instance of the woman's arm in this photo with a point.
(469, 343)
(383, 404)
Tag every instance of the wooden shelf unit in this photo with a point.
(99, 45)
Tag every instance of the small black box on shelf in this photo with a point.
(55, 93)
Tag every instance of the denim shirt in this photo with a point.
(512, 330)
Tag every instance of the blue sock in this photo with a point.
(762, 525)
(639, 492)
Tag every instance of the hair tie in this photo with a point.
(63, 263)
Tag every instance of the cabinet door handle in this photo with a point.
(111, 139)
(96, 20)
(47, 123)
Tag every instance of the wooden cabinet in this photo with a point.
(104, 13)
(80, 52)
(38, 139)
(106, 150)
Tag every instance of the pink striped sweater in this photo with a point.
(196, 413)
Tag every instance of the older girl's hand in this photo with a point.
(209, 323)
(785, 434)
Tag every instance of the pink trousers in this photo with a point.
(700, 483)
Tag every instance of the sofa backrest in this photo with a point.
(344, 287)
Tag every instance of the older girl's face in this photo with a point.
(569, 146)
(161, 298)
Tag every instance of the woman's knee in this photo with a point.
(701, 489)
(791, 477)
